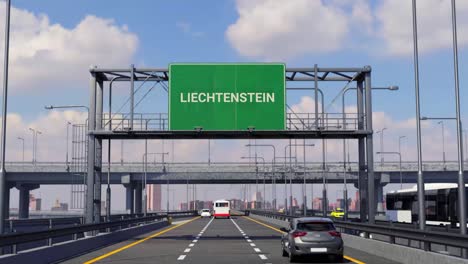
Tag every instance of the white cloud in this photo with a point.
(434, 25)
(276, 30)
(44, 54)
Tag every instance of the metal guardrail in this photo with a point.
(14, 239)
(426, 238)
(294, 121)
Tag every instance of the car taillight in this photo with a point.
(335, 233)
(299, 234)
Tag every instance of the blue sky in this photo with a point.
(162, 40)
(300, 33)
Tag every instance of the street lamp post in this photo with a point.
(272, 170)
(35, 133)
(33, 145)
(66, 154)
(441, 122)
(345, 189)
(461, 178)
(290, 175)
(381, 132)
(22, 140)
(256, 177)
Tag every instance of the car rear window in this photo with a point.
(315, 226)
(222, 204)
(205, 210)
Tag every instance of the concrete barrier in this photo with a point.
(69, 249)
(398, 253)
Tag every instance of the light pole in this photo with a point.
(256, 177)
(381, 132)
(285, 182)
(345, 189)
(33, 145)
(441, 122)
(399, 156)
(272, 170)
(461, 178)
(37, 133)
(4, 210)
(420, 185)
(66, 154)
(22, 140)
(290, 175)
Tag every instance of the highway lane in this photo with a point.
(236, 240)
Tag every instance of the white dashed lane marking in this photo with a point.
(191, 245)
(257, 250)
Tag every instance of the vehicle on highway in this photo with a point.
(221, 208)
(441, 204)
(337, 213)
(205, 213)
(309, 236)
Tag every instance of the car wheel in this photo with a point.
(292, 257)
(285, 253)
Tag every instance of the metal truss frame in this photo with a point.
(97, 132)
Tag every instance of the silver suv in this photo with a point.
(308, 236)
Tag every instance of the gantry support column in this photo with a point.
(362, 176)
(24, 191)
(98, 152)
(369, 148)
(90, 191)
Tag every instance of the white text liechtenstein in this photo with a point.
(227, 97)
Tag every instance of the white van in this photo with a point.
(221, 208)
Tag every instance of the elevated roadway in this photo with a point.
(237, 240)
(226, 173)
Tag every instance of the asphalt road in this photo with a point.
(236, 240)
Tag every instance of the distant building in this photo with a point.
(154, 197)
(59, 206)
(34, 203)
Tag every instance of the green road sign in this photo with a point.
(227, 96)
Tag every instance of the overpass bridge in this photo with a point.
(28, 176)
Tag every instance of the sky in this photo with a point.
(54, 42)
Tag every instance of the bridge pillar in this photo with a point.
(379, 196)
(24, 190)
(129, 198)
(6, 198)
(138, 198)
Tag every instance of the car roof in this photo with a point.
(312, 219)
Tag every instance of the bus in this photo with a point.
(441, 204)
(221, 208)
